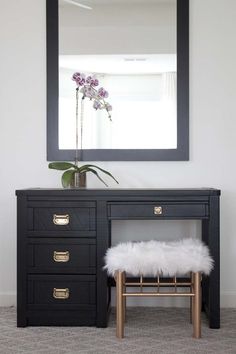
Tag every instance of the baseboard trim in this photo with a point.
(227, 299)
(8, 299)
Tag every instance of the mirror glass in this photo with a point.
(130, 46)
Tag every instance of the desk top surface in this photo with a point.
(119, 192)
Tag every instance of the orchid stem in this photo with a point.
(76, 127)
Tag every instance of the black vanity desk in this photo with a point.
(63, 236)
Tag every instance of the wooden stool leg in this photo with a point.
(119, 305)
(192, 300)
(124, 298)
(197, 305)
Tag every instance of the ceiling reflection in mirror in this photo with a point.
(131, 48)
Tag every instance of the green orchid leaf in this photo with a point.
(96, 174)
(85, 167)
(67, 177)
(61, 165)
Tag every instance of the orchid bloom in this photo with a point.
(86, 85)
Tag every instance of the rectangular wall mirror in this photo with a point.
(139, 51)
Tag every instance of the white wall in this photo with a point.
(212, 127)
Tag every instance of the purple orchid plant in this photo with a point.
(75, 175)
(88, 86)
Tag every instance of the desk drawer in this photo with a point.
(61, 290)
(158, 210)
(43, 218)
(62, 256)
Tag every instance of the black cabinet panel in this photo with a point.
(81, 316)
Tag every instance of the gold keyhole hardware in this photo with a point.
(157, 210)
(59, 256)
(61, 294)
(61, 219)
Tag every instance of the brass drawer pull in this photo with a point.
(61, 294)
(61, 219)
(157, 210)
(61, 256)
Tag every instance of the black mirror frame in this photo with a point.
(179, 154)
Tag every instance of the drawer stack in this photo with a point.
(59, 266)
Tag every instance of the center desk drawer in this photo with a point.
(64, 216)
(62, 256)
(158, 210)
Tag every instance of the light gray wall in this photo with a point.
(212, 129)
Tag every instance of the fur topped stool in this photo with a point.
(158, 259)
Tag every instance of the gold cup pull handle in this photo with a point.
(59, 256)
(61, 219)
(158, 210)
(61, 294)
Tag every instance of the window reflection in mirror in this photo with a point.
(131, 47)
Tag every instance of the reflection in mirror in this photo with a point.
(131, 48)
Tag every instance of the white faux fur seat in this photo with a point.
(156, 258)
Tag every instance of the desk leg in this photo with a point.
(103, 243)
(211, 284)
